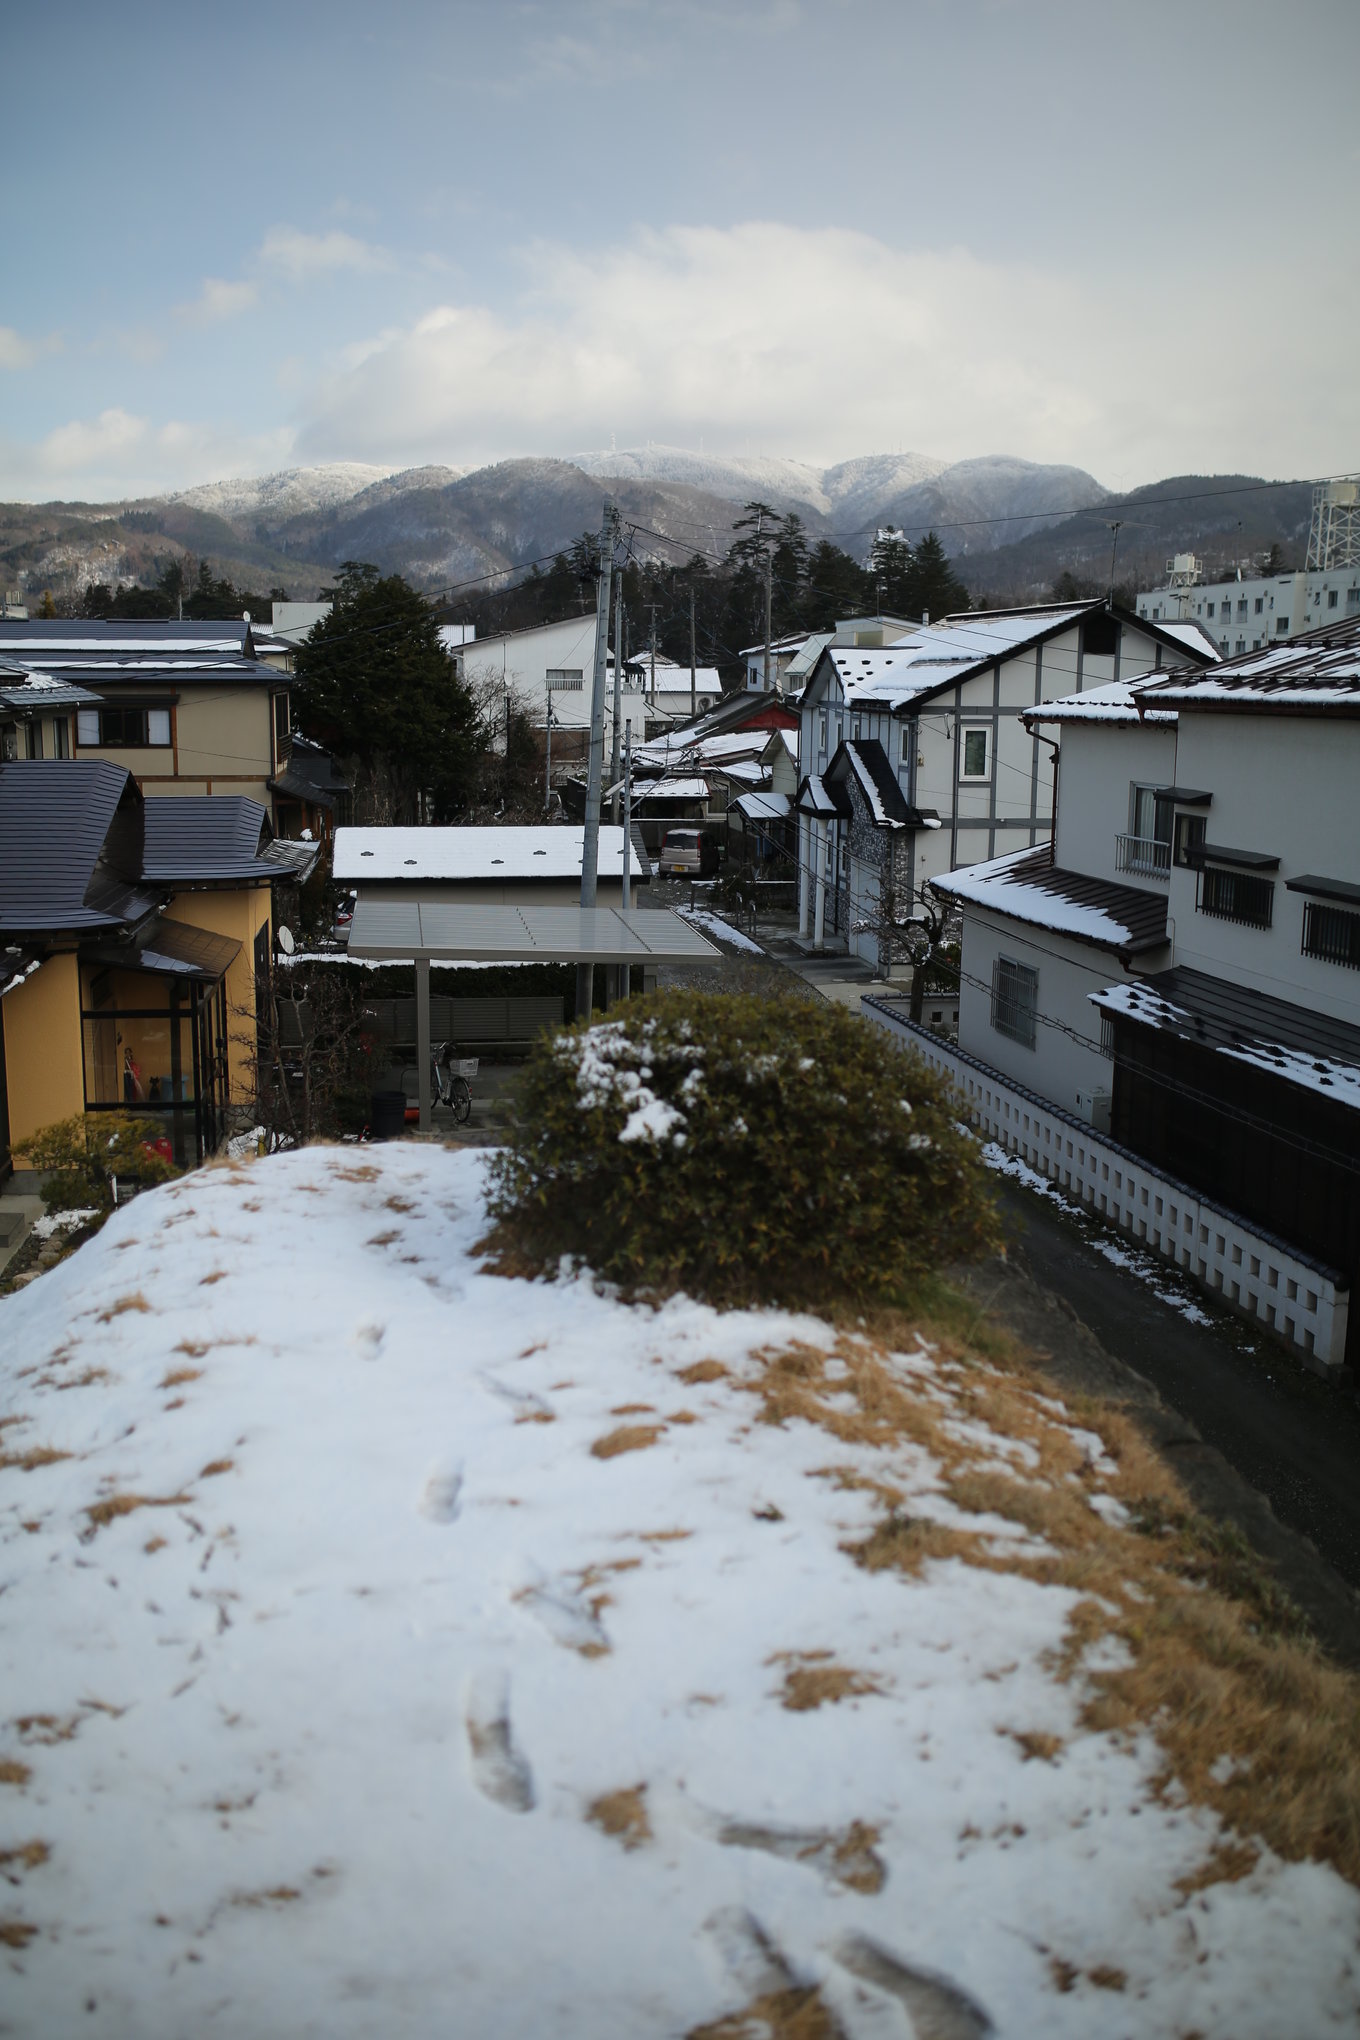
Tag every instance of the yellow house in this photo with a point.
(133, 935)
(38, 713)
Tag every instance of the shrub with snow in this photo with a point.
(742, 1149)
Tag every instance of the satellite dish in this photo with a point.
(286, 942)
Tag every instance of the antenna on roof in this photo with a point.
(1113, 550)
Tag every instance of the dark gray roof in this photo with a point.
(22, 693)
(1296, 1043)
(36, 636)
(1317, 673)
(70, 846)
(1028, 887)
(102, 654)
(207, 838)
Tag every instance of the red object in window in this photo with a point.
(159, 1146)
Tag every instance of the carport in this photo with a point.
(424, 931)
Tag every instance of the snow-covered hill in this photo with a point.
(392, 1647)
(293, 492)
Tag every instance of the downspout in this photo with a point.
(1055, 748)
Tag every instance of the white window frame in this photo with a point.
(983, 730)
(565, 679)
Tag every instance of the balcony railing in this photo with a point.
(1148, 856)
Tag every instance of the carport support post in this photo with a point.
(819, 903)
(423, 1039)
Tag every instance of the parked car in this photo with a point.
(688, 853)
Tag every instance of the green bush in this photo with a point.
(742, 1149)
(83, 1156)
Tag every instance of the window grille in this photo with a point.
(1015, 1000)
(1332, 934)
(565, 679)
(1236, 896)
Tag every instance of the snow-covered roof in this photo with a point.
(1294, 1043)
(506, 855)
(1191, 634)
(1113, 703)
(763, 807)
(659, 752)
(33, 692)
(668, 789)
(1025, 886)
(785, 644)
(1316, 674)
(815, 797)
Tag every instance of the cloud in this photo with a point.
(17, 352)
(118, 454)
(302, 257)
(217, 300)
(823, 343)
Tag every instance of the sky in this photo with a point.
(249, 238)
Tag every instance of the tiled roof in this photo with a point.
(1316, 674)
(1025, 886)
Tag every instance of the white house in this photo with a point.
(1181, 979)
(667, 686)
(914, 761)
(549, 663)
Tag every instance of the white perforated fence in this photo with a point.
(1299, 1301)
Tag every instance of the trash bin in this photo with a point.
(387, 1115)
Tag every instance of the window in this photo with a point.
(1099, 635)
(1190, 833)
(282, 745)
(1241, 646)
(565, 677)
(34, 734)
(1282, 626)
(1331, 598)
(1236, 896)
(61, 737)
(126, 729)
(1331, 933)
(821, 732)
(1147, 847)
(1353, 598)
(1241, 605)
(975, 754)
(1211, 609)
(1015, 999)
(1259, 605)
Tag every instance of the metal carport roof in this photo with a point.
(426, 931)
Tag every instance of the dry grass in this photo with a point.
(154, 1544)
(179, 1375)
(627, 1438)
(12, 1772)
(701, 1371)
(48, 1729)
(359, 1172)
(215, 1466)
(384, 1239)
(27, 1856)
(5, 1422)
(856, 1863)
(1036, 1742)
(123, 1304)
(622, 1815)
(799, 2013)
(87, 1379)
(217, 1275)
(536, 1417)
(37, 1455)
(279, 1894)
(633, 1409)
(194, 1349)
(16, 1933)
(107, 1511)
(1227, 1863)
(1218, 1662)
(813, 1679)
(395, 1203)
(663, 1536)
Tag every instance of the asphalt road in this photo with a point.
(1293, 1436)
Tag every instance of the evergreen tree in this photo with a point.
(375, 686)
(935, 590)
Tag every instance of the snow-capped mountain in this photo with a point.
(293, 492)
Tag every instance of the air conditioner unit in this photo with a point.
(1094, 1108)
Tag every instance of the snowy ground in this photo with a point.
(351, 1688)
(723, 930)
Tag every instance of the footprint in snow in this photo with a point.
(937, 2008)
(499, 1770)
(440, 1496)
(368, 1341)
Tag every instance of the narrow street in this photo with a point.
(1293, 1436)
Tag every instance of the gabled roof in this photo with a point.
(98, 654)
(25, 692)
(815, 797)
(1315, 674)
(70, 847)
(864, 760)
(1026, 887)
(938, 656)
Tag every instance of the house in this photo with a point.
(914, 762)
(137, 934)
(38, 713)
(186, 707)
(1174, 990)
(513, 866)
(312, 797)
(548, 669)
(666, 684)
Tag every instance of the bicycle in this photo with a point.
(451, 1081)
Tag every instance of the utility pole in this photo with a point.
(1113, 550)
(769, 603)
(693, 675)
(654, 655)
(590, 841)
(547, 770)
(618, 694)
